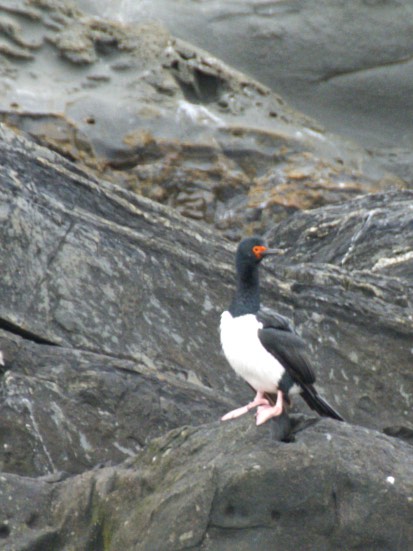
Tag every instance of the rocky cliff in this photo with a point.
(139, 107)
(112, 381)
(109, 314)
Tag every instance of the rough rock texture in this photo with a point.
(226, 486)
(114, 274)
(109, 317)
(108, 272)
(138, 107)
(348, 285)
(115, 285)
(348, 64)
(373, 234)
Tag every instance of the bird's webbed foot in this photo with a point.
(259, 400)
(266, 412)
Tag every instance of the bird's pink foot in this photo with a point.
(266, 412)
(259, 400)
(234, 413)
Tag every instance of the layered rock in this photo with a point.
(148, 111)
(64, 409)
(109, 314)
(130, 294)
(348, 64)
(110, 308)
(347, 283)
(108, 272)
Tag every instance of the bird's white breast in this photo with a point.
(245, 353)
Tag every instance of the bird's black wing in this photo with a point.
(279, 339)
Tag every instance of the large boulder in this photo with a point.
(136, 106)
(226, 486)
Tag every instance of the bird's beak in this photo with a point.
(269, 252)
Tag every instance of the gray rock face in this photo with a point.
(68, 410)
(134, 105)
(221, 487)
(113, 274)
(347, 283)
(348, 64)
(108, 272)
(109, 318)
(372, 234)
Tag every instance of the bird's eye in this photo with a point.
(258, 250)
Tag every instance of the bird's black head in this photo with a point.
(251, 251)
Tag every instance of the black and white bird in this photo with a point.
(264, 349)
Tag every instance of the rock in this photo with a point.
(185, 129)
(69, 410)
(346, 280)
(226, 486)
(26, 515)
(101, 265)
(372, 233)
(110, 306)
(347, 64)
(108, 272)
(405, 433)
(109, 336)
(122, 277)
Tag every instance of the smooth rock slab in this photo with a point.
(69, 410)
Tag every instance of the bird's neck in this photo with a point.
(247, 295)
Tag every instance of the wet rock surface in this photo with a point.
(141, 108)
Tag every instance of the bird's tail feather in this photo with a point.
(319, 404)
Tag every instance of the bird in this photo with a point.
(263, 347)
